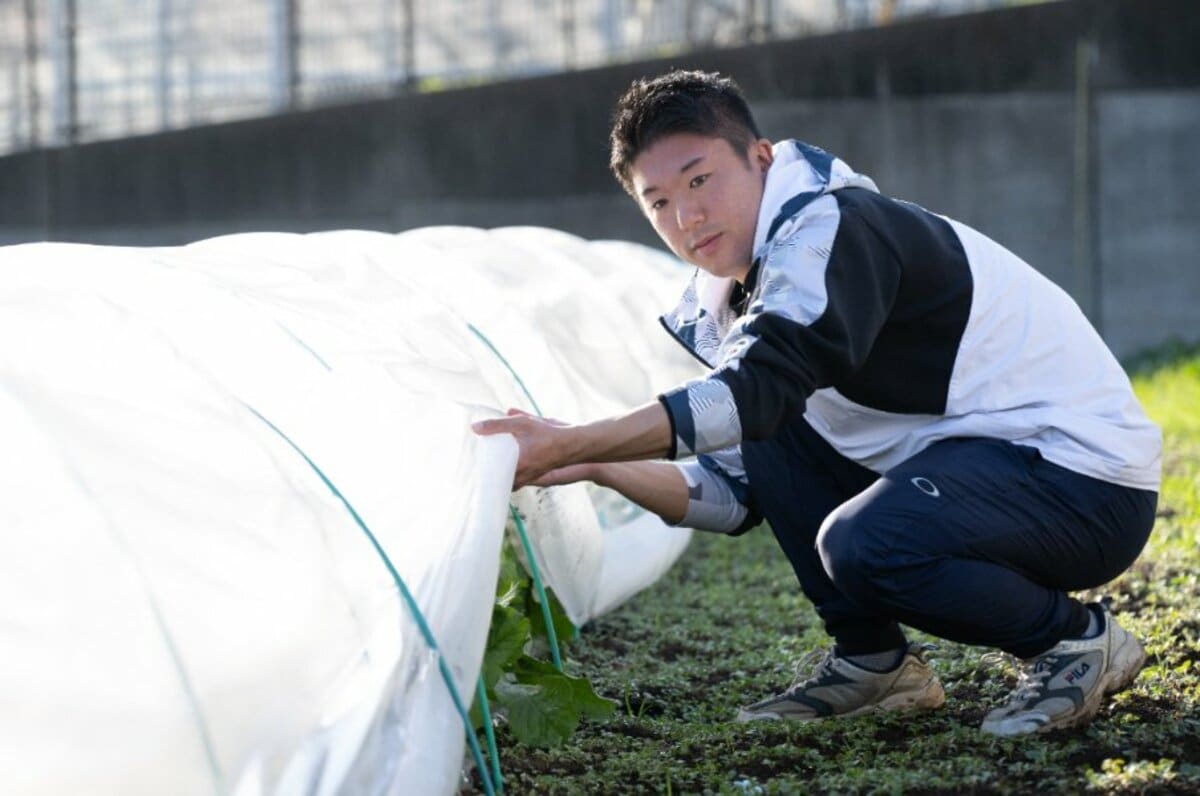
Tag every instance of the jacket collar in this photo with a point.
(799, 174)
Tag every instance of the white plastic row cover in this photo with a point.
(200, 444)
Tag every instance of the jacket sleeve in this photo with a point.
(823, 294)
(718, 493)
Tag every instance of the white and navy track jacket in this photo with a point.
(891, 328)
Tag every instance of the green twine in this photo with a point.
(493, 753)
(483, 338)
(537, 584)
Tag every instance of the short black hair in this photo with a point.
(680, 101)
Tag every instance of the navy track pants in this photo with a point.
(972, 540)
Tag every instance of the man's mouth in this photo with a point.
(705, 245)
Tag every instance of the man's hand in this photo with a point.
(656, 486)
(552, 452)
(542, 443)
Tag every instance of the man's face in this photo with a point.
(702, 198)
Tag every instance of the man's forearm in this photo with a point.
(547, 445)
(644, 433)
(658, 487)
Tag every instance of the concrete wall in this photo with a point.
(1005, 164)
(1149, 216)
(1066, 130)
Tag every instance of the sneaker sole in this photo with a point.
(930, 697)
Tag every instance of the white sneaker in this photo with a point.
(1065, 686)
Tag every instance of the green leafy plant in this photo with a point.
(541, 705)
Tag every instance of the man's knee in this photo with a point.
(853, 557)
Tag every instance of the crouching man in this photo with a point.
(934, 432)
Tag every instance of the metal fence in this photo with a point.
(79, 70)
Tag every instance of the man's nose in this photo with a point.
(689, 213)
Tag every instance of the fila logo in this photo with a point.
(1077, 673)
(926, 486)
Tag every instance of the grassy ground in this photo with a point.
(725, 625)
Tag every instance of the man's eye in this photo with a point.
(699, 180)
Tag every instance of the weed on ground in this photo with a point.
(724, 627)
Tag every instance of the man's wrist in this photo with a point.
(575, 445)
(597, 473)
(641, 434)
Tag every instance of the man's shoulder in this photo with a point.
(797, 185)
(860, 203)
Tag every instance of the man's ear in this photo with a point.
(762, 154)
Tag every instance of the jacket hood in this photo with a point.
(799, 174)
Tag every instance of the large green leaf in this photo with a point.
(543, 705)
(531, 671)
(506, 642)
(590, 704)
(528, 669)
(542, 715)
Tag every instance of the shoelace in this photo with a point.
(1031, 679)
(812, 668)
